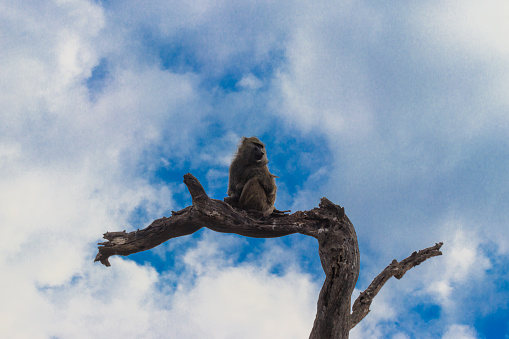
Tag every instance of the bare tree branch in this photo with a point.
(396, 269)
(205, 212)
(337, 247)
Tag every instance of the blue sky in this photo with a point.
(398, 112)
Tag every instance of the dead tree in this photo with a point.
(338, 249)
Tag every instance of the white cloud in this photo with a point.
(323, 86)
(467, 41)
(414, 111)
(460, 332)
(463, 264)
(215, 36)
(49, 50)
(245, 301)
(116, 302)
(250, 82)
(400, 336)
(221, 301)
(472, 25)
(64, 174)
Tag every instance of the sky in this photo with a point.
(397, 111)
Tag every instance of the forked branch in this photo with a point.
(395, 269)
(205, 212)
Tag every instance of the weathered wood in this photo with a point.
(338, 249)
(360, 308)
(339, 255)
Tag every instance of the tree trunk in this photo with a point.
(339, 254)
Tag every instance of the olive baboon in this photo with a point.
(251, 186)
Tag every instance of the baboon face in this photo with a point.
(258, 152)
(254, 151)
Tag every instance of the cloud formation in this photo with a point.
(399, 113)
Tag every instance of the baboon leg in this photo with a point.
(253, 196)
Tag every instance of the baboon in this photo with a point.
(251, 186)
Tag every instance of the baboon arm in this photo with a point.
(253, 196)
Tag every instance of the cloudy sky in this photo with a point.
(398, 111)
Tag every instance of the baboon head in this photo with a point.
(252, 151)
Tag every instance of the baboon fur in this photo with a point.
(251, 185)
